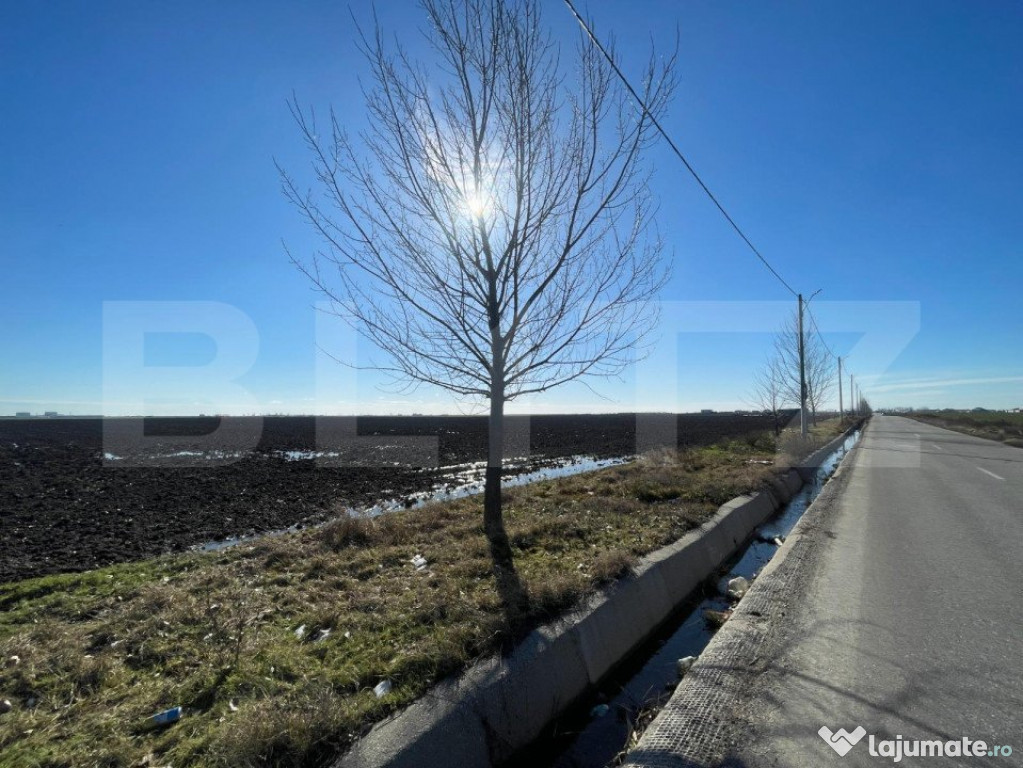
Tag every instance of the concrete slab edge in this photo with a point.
(502, 704)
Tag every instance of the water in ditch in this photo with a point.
(597, 730)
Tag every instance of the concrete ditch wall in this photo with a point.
(503, 704)
(809, 465)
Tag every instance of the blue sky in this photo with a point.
(869, 149)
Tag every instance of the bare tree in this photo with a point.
(491, 233)
(820, 367)
(768, 392)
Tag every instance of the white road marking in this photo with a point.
(996, 477)
(941, 449)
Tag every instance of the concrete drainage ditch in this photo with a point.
(503, 708)
(600, 727)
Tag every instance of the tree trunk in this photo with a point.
(493, 519)
(509, 587)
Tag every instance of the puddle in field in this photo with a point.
(596, 731)
(462, 480)
(211, 456)
(455, 482)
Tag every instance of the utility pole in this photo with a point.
(852, 395)
(841, 415)
(802, 373)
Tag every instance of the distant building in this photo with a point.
(22, 414)
(50, 414)
(707, 410)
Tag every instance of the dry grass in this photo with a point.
(98, 653)
(992, 425)
(793, 447)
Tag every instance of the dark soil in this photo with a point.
(180, 482)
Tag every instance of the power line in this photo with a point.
(820, 335)
(673, 146)
(813, 321)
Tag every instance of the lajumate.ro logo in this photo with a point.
(842, 741)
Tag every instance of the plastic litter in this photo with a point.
(383, 688)
(685, 664)
(166, 717)
(419, 562)
(5, 706)
(716, 619)
(600, 710)
(737, 587)
(300, 632)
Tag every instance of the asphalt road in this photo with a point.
(911, 622)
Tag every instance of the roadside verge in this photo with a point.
(503, 704)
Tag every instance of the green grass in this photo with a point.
(86, 658)
(992, 425)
